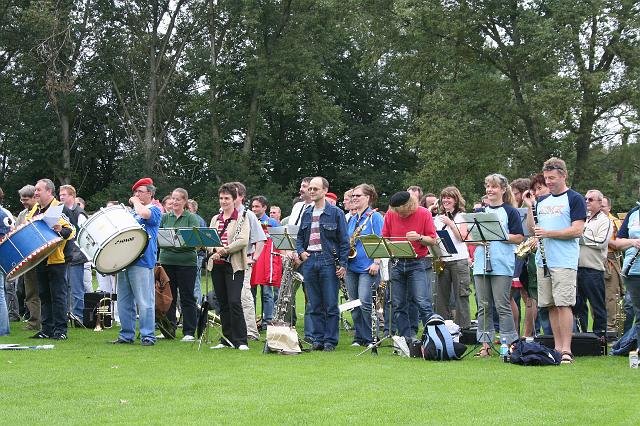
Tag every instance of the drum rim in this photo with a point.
(144, 248)
(102, 211)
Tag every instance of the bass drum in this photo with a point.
(25, 247)
(112, 239)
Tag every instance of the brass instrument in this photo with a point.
(103, 314)
(356, 234)
(526, 247)
(281, 335)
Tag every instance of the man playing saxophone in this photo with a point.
(363, 274)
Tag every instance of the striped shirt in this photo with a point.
(315, 244)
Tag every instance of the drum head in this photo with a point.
(34, 259)
(121, 251)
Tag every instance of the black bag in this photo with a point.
(533, 353)
(437, 343)
(582, 344)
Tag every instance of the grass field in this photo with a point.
(85, 380)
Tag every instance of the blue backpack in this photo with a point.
(437, 343)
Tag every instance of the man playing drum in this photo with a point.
(136, 283)
(52, 283)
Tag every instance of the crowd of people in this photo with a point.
(557, 250)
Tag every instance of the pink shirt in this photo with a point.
(420, 221)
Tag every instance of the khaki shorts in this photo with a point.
(559, 289)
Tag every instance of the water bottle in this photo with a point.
(633, 359)
(504, 349)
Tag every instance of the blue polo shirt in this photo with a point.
(502, 254)
(631, 229)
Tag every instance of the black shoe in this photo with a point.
(40, 335)
(318, 347)
(147, 342)
(59, 336)
(120, 341)
(329, 348)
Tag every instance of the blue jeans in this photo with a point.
(590, 286)
(75, 278)
(321, 282)
(410, 279)
(266, 292)
(360, 286)
(494, 290)
(136, 288)
(632, 284)
(4, 312)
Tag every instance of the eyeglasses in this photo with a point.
(139, 191)
(591, 199)
(550, 167)
(313, 189)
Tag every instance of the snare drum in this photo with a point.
(25, 247)
(112, 239)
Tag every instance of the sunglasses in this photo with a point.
(591, 199)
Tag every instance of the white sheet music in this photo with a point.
(53, 215)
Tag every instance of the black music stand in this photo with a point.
(380, 248)
(483, 228)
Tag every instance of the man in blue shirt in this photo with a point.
(323, 247)
(561, 217)
(136, 284)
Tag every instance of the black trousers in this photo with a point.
(228, 287)
(52, 288)
(183, 281)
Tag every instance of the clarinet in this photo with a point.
(487, 258)
(343, 285)
(625, 273)
(374, 321)
(543, 256)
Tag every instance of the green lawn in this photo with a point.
(85, 380)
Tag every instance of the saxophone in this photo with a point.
(526, 247)
(356, 234)
(285, 295)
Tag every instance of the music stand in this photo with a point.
(380, 248)
(484, 227)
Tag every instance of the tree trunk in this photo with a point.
(65, 177)
(251, 127)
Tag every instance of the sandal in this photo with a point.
(483, 353)
(567, 358)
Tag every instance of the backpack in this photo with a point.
(533, 353)
(437, 342)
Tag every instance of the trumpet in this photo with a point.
(526, 247)
(103, 314)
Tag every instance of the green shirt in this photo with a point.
(182, 256)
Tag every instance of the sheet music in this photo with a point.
(168, 237)
(53, 215)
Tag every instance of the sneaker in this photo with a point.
(147, 342)
(120, 341)
(355, 344)
(329, 348)
(243, 348)
(60, 336)
(318, 347)
(40, 335)
(188, 338)
(159, 336)
(219, 346)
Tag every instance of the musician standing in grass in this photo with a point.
(561, 218)
(363, 273)
(493, 283)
